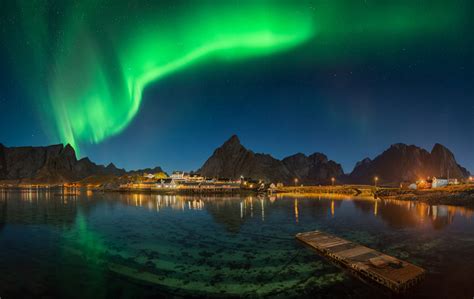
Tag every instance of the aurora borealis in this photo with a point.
(85, 66)
(96, 80)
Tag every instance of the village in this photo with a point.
(433, 183)
(184, 181)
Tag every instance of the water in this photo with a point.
(92, 245)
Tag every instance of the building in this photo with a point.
(439, 182)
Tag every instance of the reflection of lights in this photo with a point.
(263, 209)
(251, 207)
(296, 210)
(241, 210)
(332, 208)
(376, 208)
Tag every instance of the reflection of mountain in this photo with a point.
(394, 215)
(402, 214)
(3, 211)
(32, 207)
(229, 212)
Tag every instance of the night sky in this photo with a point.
(150, 83)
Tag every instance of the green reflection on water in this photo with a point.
(216, 246)
(84, 266)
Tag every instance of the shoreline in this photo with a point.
(460, 195)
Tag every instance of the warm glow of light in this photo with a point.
(296, 210)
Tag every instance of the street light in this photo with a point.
(296, 181)
(333, 180)
(376, 180)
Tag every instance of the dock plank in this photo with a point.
(372, 265)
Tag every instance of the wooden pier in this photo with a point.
(366, 263)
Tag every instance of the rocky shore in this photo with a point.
(454, 195)
(462, 195)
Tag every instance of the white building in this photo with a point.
(438, 183)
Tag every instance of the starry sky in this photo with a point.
(148, 83)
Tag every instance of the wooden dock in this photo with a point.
(366, 263)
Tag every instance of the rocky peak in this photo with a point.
(51, 164)
(154, 170)
(232, 145)
(363, 162)
(440, 151)
(69, 151)
(296, 158)
(318, 158)
(233, 140)
(403, 162)
(232, 160)
(399, 146)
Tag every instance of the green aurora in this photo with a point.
(90, 64)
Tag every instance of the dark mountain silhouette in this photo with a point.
(403, 162)
(153, 170)
(48, 164)
(233, 160)
(315, 168)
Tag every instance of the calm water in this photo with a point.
(127, 246)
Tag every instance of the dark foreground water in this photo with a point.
(127, 246)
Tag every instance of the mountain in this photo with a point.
(315, 168)
(153, 170)
(48, 164)
(403, 162)
(233, 160)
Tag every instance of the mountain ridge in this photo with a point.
(402, 162)
(232, 160)
(398, 163)
(49, 164)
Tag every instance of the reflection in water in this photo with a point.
(394, 212)
(411, 214)
(231, 245)
(296, 210)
